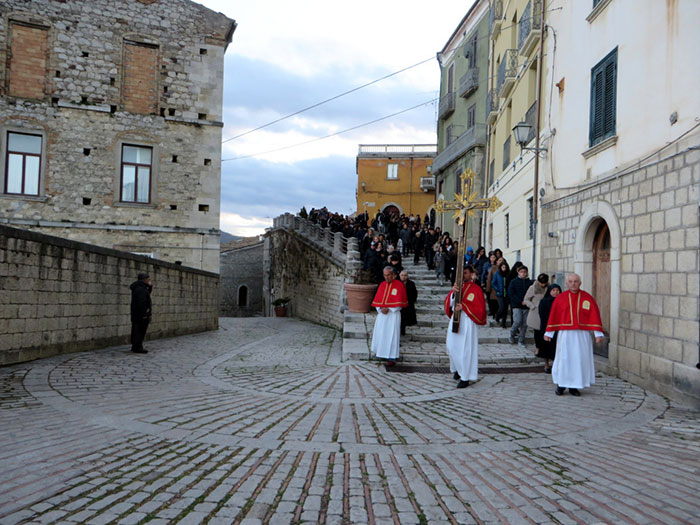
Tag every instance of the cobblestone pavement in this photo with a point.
(261, 423)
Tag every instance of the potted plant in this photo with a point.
(361, 292)
(280, 305)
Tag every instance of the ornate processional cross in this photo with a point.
(464, 206)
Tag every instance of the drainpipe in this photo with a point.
(535, 199)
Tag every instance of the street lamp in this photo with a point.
(521, 132)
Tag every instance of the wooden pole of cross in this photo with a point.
(464, 206)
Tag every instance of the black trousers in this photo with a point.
(138, 333)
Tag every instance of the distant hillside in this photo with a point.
(227, 237)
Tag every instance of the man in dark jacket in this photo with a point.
(517, 289)
(428, 242)
(408, 314)
(140, 311)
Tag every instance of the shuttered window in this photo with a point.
(603, 99)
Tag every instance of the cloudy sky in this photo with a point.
(286, 56)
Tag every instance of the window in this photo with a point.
(140, 78)
(506, 152)
(392, 171)
(603, 99)
(458, 180)
(136, 174)
(23, 164)
(595, 3)
(449, 131)
(530, 218)
(492, 171)
(471, 116)
(507, 230)
(28, 61)
(472, 50)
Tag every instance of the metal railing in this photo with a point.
(472, 137)
(495, 15)
(491, 103)
(508, 68)
(398, 148)
(447, 105)
(530, 21)
(427, 183)
(469, 82)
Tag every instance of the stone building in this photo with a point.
(241, 285)
(395, 178)
(622, 173)
(461, 126)
(110, 123)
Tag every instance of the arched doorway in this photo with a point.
(601, 271)
(391, 210)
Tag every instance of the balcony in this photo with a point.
(530, 27)
(495, 18)
(491, 106)
(473, 137)
(469, 82)
(507, 72)
(447, 105)
(427, 183)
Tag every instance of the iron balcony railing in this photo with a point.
(491, 105)
(397, 149)
(469, 82)
(471, 138)
(529, 26)
(495, 17)
(447, 105)
(507, 72)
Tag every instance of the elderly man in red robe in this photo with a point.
(574, 315)
(463, 346)
(389, 299)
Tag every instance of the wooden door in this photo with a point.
(601, 280)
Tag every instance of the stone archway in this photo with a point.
(392, 207)
(599, 236)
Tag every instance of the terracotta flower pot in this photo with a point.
(360, 297)
(280, 311)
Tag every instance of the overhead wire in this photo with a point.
(332, 134)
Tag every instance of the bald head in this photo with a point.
(573, 282)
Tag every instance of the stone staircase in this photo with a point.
(425, 343)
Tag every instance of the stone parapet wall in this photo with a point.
(62, 296)
(309, 264)
(653, 216)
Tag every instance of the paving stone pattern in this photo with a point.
(260, 422)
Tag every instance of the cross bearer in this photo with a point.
(463, 346)
(389, 299)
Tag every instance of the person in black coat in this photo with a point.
(140, 311)
(547, 349)
(408, 314)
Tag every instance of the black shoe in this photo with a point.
(547, 370)
(560, 390)
(574, 392)
(389, 363)
(455, 375)
(140, 351)
(463, 384)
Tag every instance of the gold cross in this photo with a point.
(466, 202)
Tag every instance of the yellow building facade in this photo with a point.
(395, 177)
(514, 91)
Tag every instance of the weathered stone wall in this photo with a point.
(654, 211)
(61, 296)
(309, 265)
(242, 267)
(148, 73)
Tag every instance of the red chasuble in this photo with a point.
(391, 295)
(473, 303)
(574, 311)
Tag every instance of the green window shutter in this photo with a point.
(603, 99)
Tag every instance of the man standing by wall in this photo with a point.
(408, 314)
(389, 299)
(574, 314)
(463, 347)
(140, 311)
(517, 289)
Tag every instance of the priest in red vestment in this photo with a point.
(574, 315)
(463, 347)
(389, 299)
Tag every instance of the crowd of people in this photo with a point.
(506, 293)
